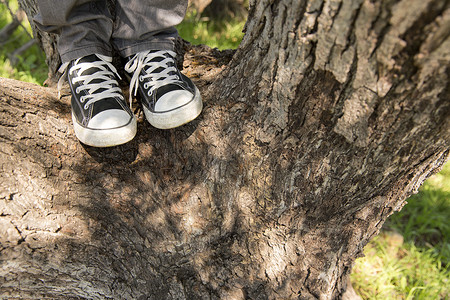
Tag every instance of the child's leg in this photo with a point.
(84, 27)
(100, 114)
(144, 33)
(142, 25)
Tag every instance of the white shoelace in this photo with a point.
(145, 60)
(108, 84)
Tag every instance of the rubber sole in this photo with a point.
(105, 137)
(176, 117)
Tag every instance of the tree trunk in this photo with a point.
(328, 116)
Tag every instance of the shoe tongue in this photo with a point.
(158, 59)
(159, 70)
(89, 59)
(89, 71)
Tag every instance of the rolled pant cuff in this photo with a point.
(70, 55)
(147, 45)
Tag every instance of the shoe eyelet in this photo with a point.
(85, 107)
(82, 99)
(149, 93)
(141, 78)
(77, 90)
(145, 85)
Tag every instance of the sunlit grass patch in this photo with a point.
(425, 219)
(215, 34)
(413, 263)
(30, 65)
(8, 71)
(392, 270)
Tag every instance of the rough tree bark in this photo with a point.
(329, 115)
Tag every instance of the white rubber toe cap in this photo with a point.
(173, 100)
(111, 118)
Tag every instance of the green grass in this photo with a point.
(31, 65)
(410, 258)
(215, 34)
(425, 219)
(399, 271)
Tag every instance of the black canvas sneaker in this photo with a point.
(100, 115)
(169, 98)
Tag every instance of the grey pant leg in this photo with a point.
(146, 24)
(84, 26)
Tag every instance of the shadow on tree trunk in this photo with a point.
(327, 117)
